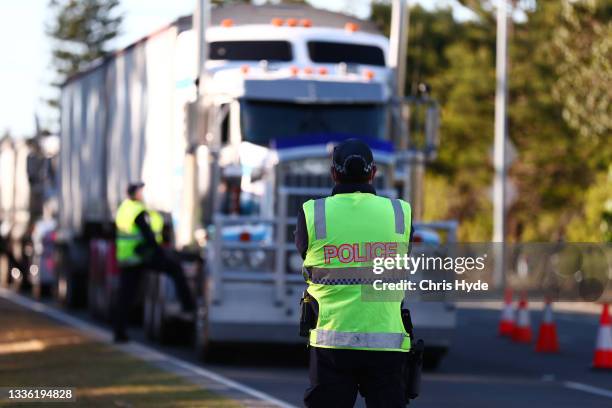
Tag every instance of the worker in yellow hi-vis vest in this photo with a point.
(139, 235)
(355, 345)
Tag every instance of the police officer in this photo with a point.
(138, 250)
(355, 345)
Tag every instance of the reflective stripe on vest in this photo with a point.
(319, 214)
(331, 338)
(400, 226)
(345, 232)
(357, 275)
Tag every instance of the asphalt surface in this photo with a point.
(481, 369)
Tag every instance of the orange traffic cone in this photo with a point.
(522, 328)
(603, 347)
(547, 336)
(506, 323)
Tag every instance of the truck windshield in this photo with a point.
(250, 50)
(326, 52)
(262, 122)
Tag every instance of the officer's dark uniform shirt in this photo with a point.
(301, 231)
(142, 221)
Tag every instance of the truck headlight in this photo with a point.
(232, 258)
(256, 259)
(34, 270)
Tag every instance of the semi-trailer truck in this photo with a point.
(229, 145)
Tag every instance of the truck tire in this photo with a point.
(148, 306)
(201, 338)
(202, 341)
(162, 325)
(41, 290)
(71, 288)
(92, 300)
(64, 290)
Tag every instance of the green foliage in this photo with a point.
(81, 30)
(583, 43)
(560, 130)
(596, 224)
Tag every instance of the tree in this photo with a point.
(457, 60)
(81, 31)
(563, 148)
(583, 45)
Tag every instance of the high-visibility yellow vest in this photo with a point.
(128, 234)
(156, 220)
(340, 229)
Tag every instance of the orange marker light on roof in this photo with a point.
(308, 70)
(322, 71)
(245, 69)
(368, 74)
(292, 22)
(351, 27)
(306, 22)
(294, 70)
(277, 22)
(227, 22)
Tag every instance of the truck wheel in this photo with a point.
(63, 290)
(161, 331)
(71, 289)
(203, 345)
(41, 290)
(92, 299)
(147, 320)
(161, 324)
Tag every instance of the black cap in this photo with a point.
(134, 187)
(353, 158)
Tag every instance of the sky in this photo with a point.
(25, 56)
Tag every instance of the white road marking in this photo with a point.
(137, 349)
(588, 388)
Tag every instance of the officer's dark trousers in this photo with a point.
(131, 276)
(337, 375)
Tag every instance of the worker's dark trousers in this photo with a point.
(131, 276)
(337, 375)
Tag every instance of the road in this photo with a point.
(481, 369)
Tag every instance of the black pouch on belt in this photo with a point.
(413, 369)
(308, 314)
(414, 360)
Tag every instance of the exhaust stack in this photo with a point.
(201, 21)
(398, 44)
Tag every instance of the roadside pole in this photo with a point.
(499, 154)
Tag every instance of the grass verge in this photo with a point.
(37, 352)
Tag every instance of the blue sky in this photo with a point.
(25, 61)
